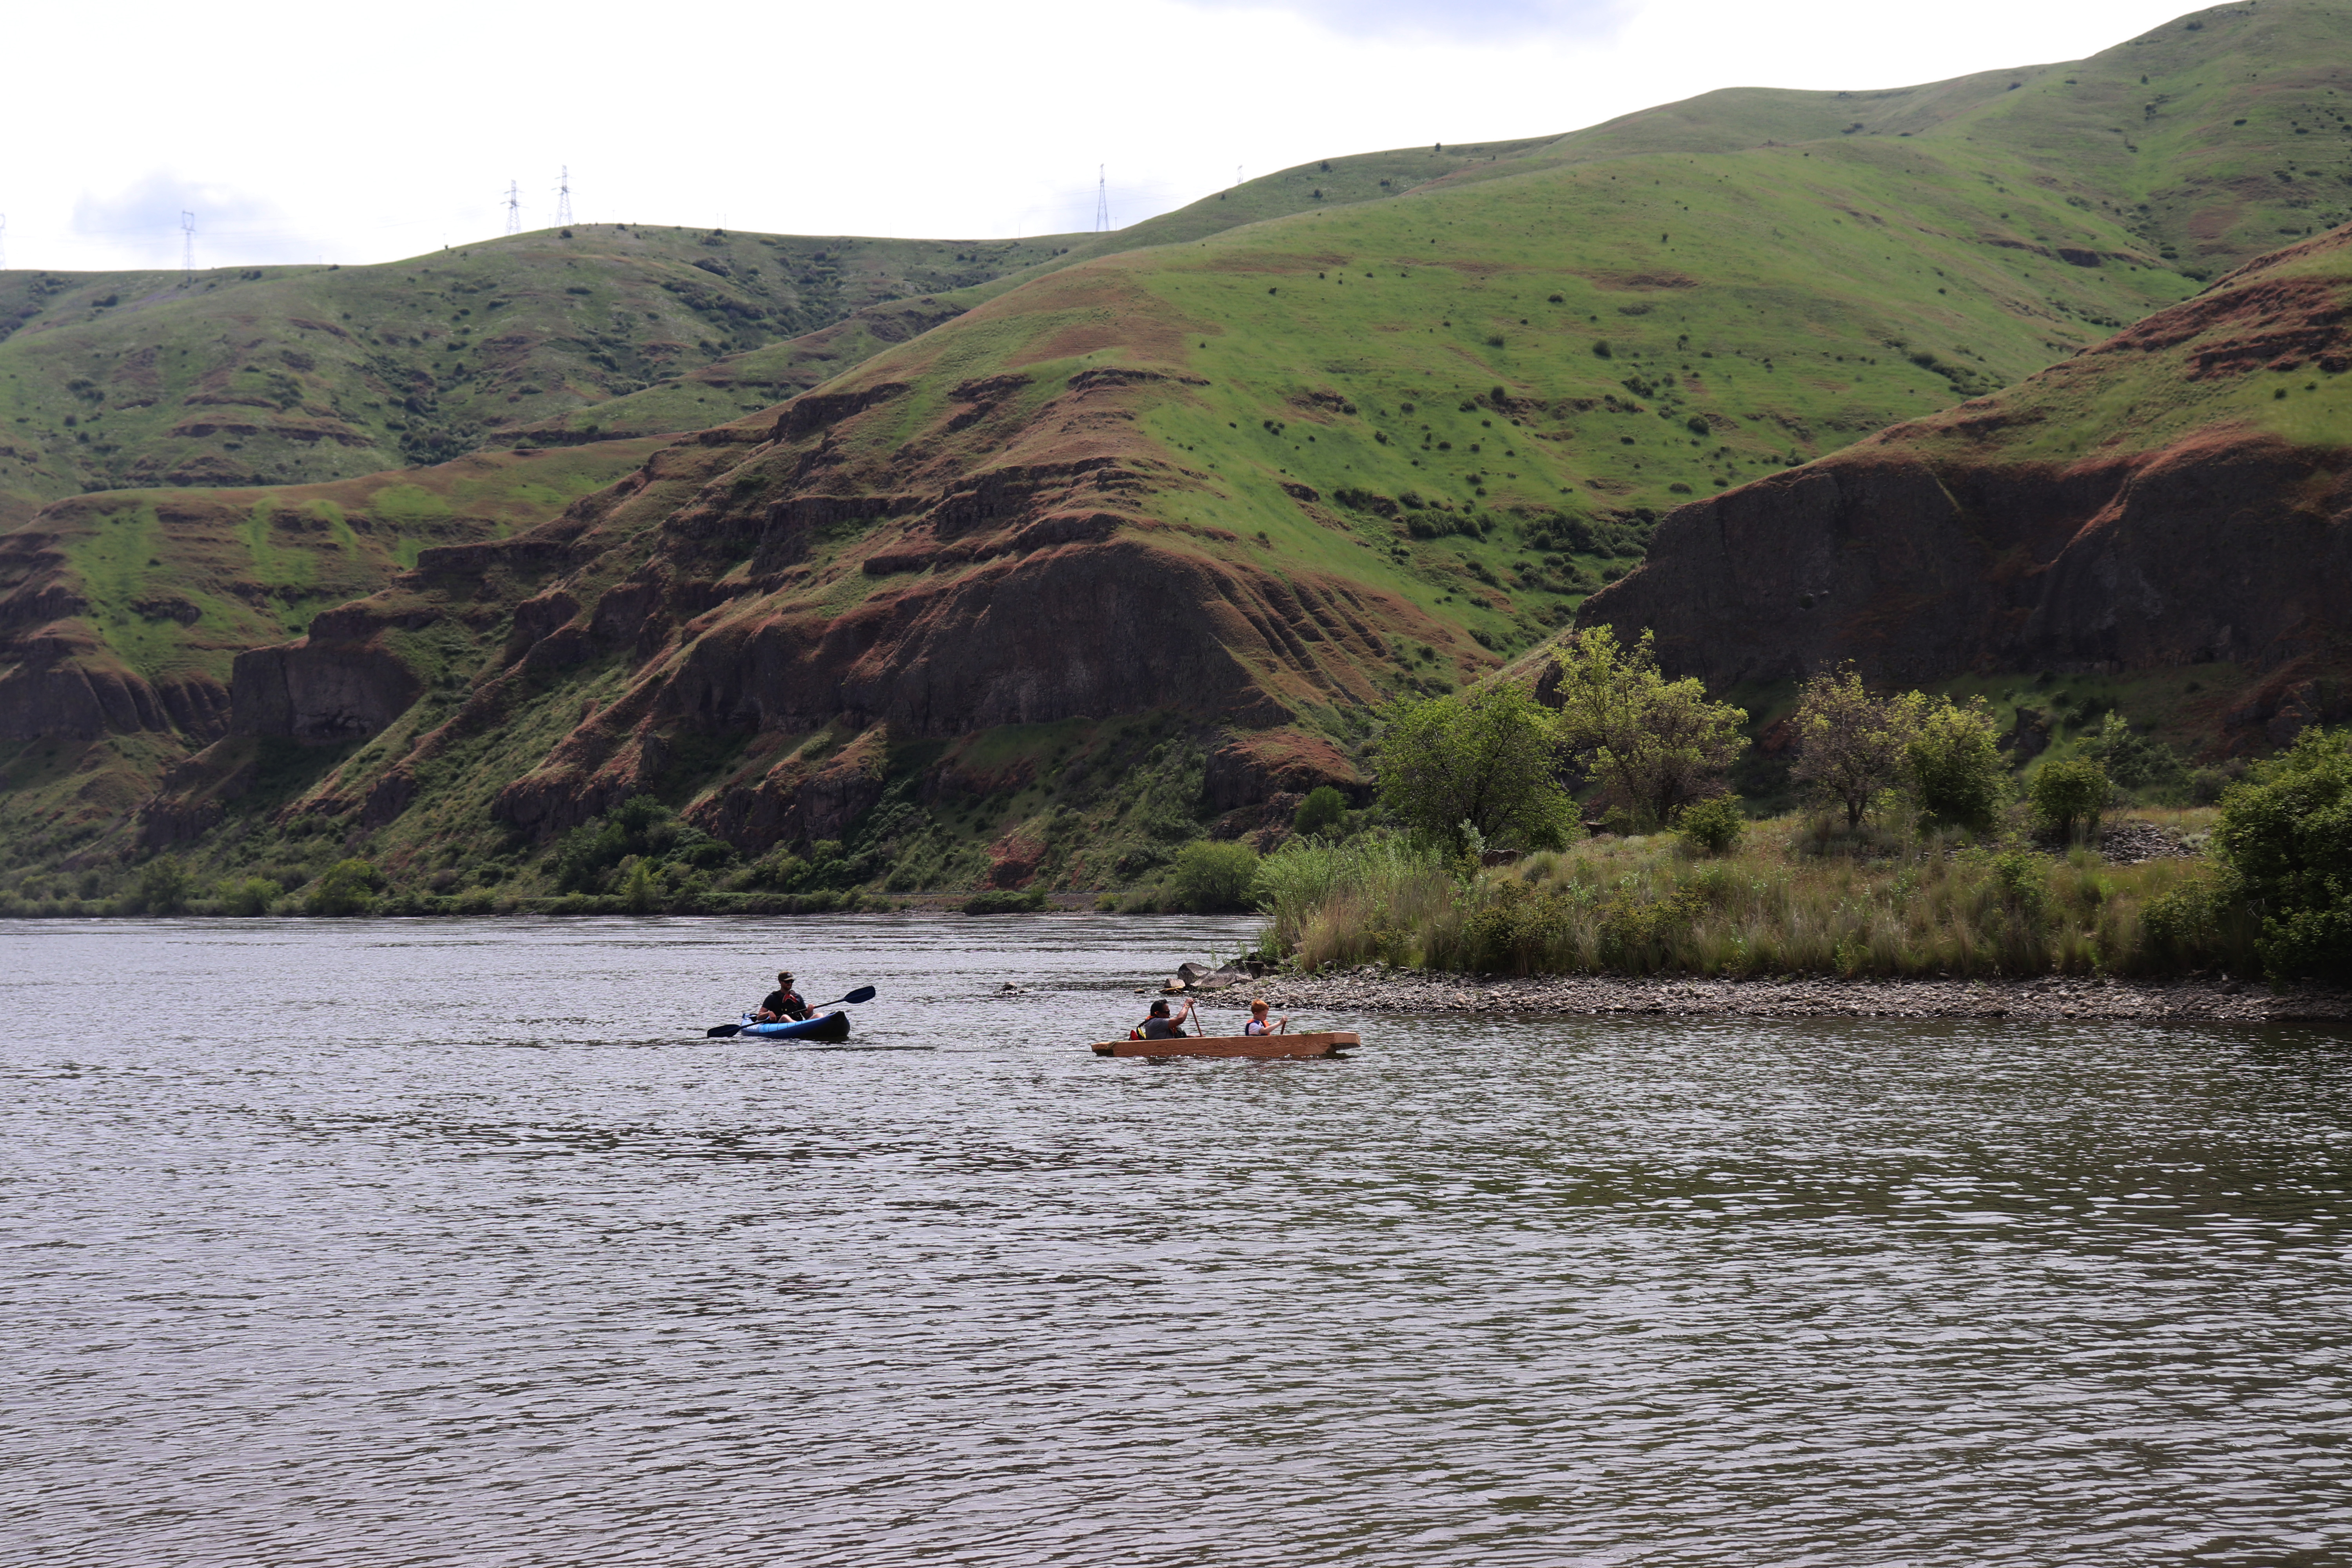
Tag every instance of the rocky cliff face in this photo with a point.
(2180, 494)
(2223, 548)
(1022, 585)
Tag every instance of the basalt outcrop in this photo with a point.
(2180, 494)
(1036, 584)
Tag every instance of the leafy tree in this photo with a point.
(348, 887)
(1655, 745)
(1485, 758)
(1850, 744)
(640, 890)
(1323, 810)
(2286, 835)
(1213, 879)
(1714, 825)
(163, 885)
(1956, 774)
(2072, 790)
(2132, 759)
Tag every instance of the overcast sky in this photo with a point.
(299, 132)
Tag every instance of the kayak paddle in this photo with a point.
(728, 1031)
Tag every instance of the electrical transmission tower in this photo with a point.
(1102, 202)
(563, 199)
(514, 207)
(187, 246)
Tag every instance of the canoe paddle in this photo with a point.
(728, 1031)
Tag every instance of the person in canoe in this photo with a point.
(782, 1005)
(1258, 1025)
(1160, 1026)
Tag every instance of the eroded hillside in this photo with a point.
(1077, 564)
(2174, 499)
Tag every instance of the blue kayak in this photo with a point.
(826, 1027)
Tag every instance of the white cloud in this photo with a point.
(142, 223)
(1477, 20)
(365, 135)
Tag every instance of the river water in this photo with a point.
(455, 1243)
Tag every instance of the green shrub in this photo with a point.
(1323, 810)
(1213, 879)
(2071, 790)
(1636, 930)
(348, 887)
(1005, 901)
(2202, 923)
(640, 825)
(2024, 878)
(1714, 825)
(163, 886)
(2133, 762)
(1955, 766)
(2286, 834)
(640, 892)
(248, 897)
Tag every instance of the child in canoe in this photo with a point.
(1258, 1025)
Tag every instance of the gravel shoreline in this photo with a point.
(1375, 989)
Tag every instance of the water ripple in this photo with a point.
(396, 1244)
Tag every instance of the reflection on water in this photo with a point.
(457, 1243)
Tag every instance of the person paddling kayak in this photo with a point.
(1160, 1026)
(781, 1004)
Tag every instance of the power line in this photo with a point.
(1102, 202)
(564, 200)
(514, 207)
(188, 247)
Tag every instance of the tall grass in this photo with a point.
(1792, 900)
(1376, 896)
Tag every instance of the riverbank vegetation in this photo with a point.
(1795, 896)
(1922, 856)
(1918, 861)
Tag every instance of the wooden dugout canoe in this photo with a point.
(1272, 1046)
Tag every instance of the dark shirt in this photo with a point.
(1162, 1029)
(785, 1005)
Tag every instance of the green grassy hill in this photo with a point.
(780, 369)
(2214, 137)
(1239, 485)
(297, 375)
(121, 615)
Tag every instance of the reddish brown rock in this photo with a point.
(1931, 550)
(1251, 769)
(798, 800)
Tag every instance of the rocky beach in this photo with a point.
(1378, 989)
